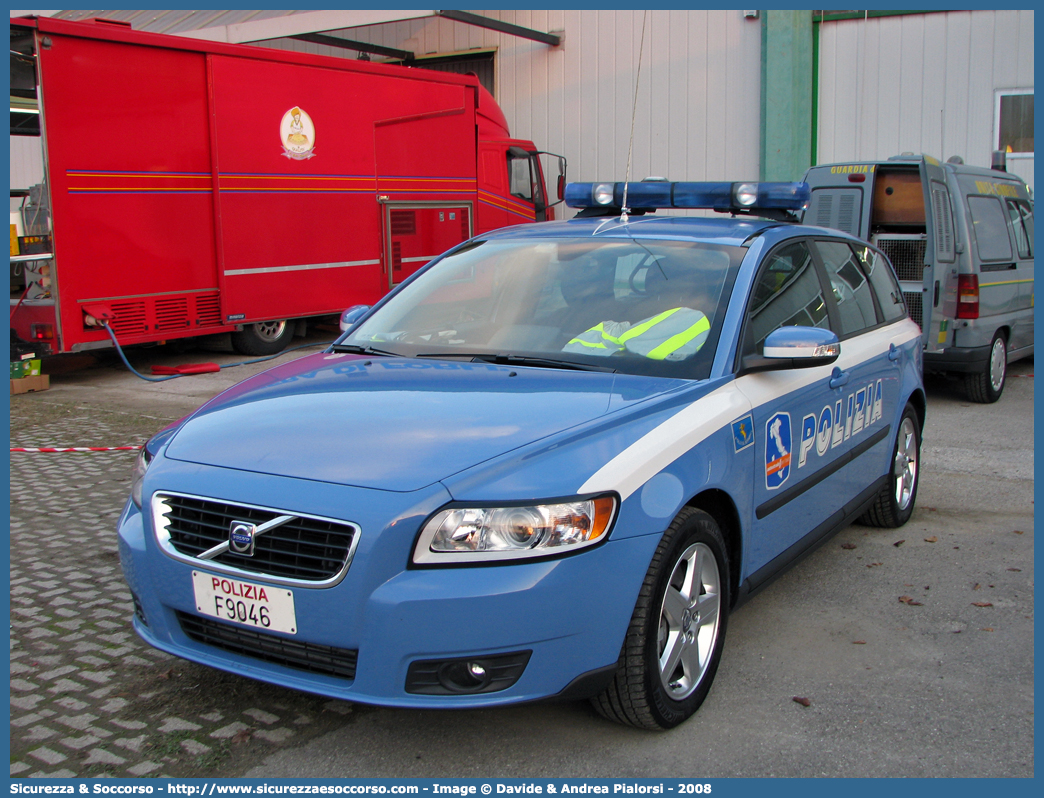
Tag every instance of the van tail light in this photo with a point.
(967, 296)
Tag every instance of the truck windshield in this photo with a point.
(640, 307)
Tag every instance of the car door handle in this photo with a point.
(894, 352)
(839, 378)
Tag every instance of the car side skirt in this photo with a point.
(810, 542)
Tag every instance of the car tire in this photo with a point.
(987, 385)
(263, 338)
(894, 505)
(676, 634)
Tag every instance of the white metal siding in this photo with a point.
(698, 108)
(920, 83)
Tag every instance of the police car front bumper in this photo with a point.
(565, 618)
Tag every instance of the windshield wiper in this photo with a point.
(517, 360)
(355, 349)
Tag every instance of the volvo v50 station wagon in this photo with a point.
(547, 465)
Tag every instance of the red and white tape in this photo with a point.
(50, 449)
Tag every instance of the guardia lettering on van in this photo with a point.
(836, 423)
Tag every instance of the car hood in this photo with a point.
(392, 423)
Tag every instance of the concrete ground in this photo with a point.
(914, 647)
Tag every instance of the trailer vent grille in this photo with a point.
(303, 548)
(129, 318)
(311, 657)
(403, 223)
(208, 310)
(906, 254)
(171, 314)
(465, 228)
(913, 304)
(396, 256)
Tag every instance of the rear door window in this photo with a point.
(850, 287)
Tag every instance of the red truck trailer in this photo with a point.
(194, 187)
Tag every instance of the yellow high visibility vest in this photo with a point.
(675, 334)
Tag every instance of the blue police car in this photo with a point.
(547, 465)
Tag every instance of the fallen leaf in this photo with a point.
(908, 601)
(858, 642)
(899, 543)
(956, 548)
(932, 539)
(931, 509)
(241, 736)
(976, 586)
(1016, 570)
(848, 545)
(805, 702)
(986, 629)
(982, 604)
(1018, 531)
(874, 564)
(165, 674)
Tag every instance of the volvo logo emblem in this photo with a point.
(686, 620)
(241, 535)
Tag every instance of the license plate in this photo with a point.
(265, 607)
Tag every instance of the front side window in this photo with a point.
(787, 293)
(1022, 224)
(852, 293)
(634, 306)
(990, 226)
(520, 176)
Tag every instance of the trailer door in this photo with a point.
(940, 255)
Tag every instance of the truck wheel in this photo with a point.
(894, 505)
(674, 641)
(263, 338)
(987, 385)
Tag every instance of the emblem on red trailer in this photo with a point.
(297, 133)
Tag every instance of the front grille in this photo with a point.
(310, 657)
(906, 254)
(913, 304)
(303, 548)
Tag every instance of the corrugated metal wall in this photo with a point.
(698, 100)
(921, 83)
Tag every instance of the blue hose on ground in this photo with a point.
(123, 357)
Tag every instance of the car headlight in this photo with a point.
(141, 465)
(484, 534)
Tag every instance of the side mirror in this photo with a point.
(352, 315)
(795, 348)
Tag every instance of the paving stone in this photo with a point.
(79, 743)
(48, 756)
(177, 724)
(226, 732)
(99, 756)
(143, 768)
(18, 767)
(277, 736)
(261, 716)
(194, 747)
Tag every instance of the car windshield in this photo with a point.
(633, 306)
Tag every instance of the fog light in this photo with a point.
(486, 674)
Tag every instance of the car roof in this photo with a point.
(726, 231)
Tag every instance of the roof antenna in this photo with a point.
(624, 210)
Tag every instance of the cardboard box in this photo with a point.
(40, 382)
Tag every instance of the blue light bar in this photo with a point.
(735, 197)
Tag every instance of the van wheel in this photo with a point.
(674, 641)
(894, 505)
(263, 338)
(987, 385)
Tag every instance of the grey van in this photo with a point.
(965, 267)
